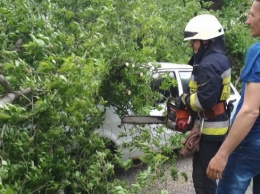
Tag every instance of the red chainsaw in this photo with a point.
(176, 119)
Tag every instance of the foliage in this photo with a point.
(234, 15)
(76, 55)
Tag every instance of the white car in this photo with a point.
(112, 127)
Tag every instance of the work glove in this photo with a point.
(181, 102)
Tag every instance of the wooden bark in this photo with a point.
(10, 95)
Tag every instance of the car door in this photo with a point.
(176, 83)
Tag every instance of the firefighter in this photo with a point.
(209, 88)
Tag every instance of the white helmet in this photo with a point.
(203, 27)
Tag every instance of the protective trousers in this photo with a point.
(201, 159)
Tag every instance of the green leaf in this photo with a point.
(9, 191)
(4, 163)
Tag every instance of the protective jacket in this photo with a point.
(209, 86)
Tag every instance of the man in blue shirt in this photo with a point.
(238, 159)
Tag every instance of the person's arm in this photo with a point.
(243, 123)
(209, 86)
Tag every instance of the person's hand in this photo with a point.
(216, 167)
(184, 98)
(181, 102)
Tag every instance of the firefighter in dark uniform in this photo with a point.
(209, 88)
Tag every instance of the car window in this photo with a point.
(165, 83)
(185, 78)
(160, 82)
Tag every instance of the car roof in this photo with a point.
(168, 65)
(165, 65)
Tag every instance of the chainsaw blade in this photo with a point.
(135, 119)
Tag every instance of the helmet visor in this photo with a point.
(188, 34)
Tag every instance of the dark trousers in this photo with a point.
(201, 159)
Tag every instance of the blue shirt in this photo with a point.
(250, 73)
